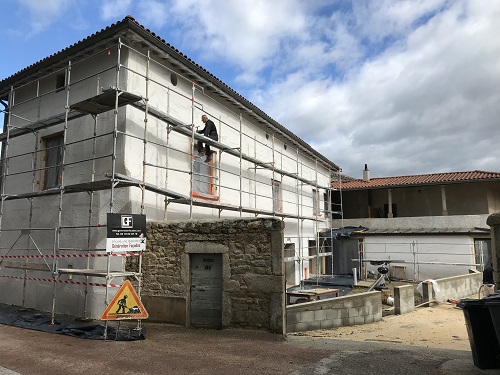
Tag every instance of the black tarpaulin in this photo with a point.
(65, 325)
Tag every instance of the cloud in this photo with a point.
(247, 35)
(153, 13)
(406, 86)
(425, 103)
(114, 9)
(42, 14)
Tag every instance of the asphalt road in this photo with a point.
(170, 349)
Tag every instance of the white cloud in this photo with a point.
(406, 86)
(247, 35)
(425, 104)
(153, 13)
(42, 14)
(114, 9)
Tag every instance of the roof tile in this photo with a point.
(421, 179)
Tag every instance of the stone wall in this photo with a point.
(360, 308)
(253, 275)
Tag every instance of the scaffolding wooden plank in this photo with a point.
(98, 104)
(41, 124)
(74, 188)
(105, 102)
(150, 187)
(96, 273)
(187, 130)
(222, 206)
(25, 266)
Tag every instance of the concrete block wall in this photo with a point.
(361, 308)
(404, 299)
(455, 287)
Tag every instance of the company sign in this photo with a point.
(126, 232)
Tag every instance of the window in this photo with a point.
(482, 250)
(173, 78)
(203, 177)
(326, 206)
(277, 199)
(53, 161)
(60, 82)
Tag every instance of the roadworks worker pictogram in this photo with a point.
(126, 304)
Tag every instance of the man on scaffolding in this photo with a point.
(209, 131)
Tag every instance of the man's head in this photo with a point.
(204, 118)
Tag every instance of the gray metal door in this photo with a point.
(206, 290)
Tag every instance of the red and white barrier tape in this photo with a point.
(61, 281)
(69, 255)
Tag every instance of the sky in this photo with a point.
(406, 87)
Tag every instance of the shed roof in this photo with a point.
(129, 23)
(419, 180)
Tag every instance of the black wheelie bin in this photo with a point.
(483, 339)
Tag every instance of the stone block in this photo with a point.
(301, 327)
(346, 322)
(306, 316)
(332, 314)
(326, 324)
(320, 315)
(314, 325)
(165, 309)
(264, 283)
(292, 317)
(358, 320)
(337, 323)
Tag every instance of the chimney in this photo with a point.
(366, 174)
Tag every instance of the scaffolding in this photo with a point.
(29, 245)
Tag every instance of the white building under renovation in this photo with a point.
(108, 125)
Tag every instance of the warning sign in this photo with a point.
(125, 305)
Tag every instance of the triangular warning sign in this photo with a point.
(125, 305)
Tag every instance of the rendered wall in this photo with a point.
(39, 101)
(255, 141)
(89, 158)
(422, 254)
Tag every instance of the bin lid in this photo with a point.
(470, 302)
(492, 299)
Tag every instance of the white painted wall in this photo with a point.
(426, 257)
(38, 101)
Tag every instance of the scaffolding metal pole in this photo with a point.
(115, 130)
(254, 172)
(241, 165)
(143, 187)
(299, 238)
(192, 152)
(113, 169)
(316, 221)
(275, 203)
(55, 272)
(55, 261)
(5, 167)
(165, 212)
(144, 141)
